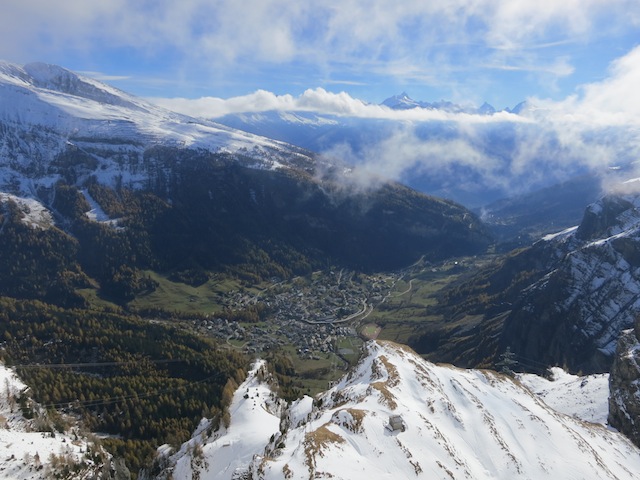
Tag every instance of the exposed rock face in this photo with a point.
(562, 301)
(624, 385)
(119, 470)
(573, 315)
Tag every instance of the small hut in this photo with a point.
(396, 423)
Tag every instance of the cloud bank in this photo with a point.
(316, 100)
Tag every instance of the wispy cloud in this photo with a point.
(329, 34)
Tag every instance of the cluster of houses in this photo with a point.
(312, 314)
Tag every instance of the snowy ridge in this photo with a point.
(29, 451)
(48, 114)
(255, 417)
(449, 423)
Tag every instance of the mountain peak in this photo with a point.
(59, 79)
(404, 102)
(401, 102)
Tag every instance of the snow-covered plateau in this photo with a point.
(398, 416)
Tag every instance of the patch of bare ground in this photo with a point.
(315, 442)
(352, 421)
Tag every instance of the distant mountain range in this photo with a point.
(441, 154)
(405, 102)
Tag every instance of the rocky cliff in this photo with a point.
(624, 385)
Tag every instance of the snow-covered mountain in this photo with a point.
(404, 102)
(564, 301)
(398, 416)
(576, 312)
(51, 119)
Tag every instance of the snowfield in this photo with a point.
(453, 423)
(585, 398)
(255, 413)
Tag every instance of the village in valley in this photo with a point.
(316, 314)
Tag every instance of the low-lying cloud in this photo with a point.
(596, 130)
(319, 101)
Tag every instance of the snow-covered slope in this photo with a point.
(255, 417)
(582, 397)
(31, 449)
(51, 119)
(35, 214)
(449, 423)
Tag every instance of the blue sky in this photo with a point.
(468, 51)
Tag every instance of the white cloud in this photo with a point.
(552, 140)
(104, 77)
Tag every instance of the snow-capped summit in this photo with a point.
(53, 77)
(398, 416)
(401, 102)
(405, 102)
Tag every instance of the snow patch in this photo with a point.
(585, 398)
(36, 215)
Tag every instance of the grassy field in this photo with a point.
(404, 312)
(176, 296)
(370, 331)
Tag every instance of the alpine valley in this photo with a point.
(182, 299)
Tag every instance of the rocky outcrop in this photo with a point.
(624, 385)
